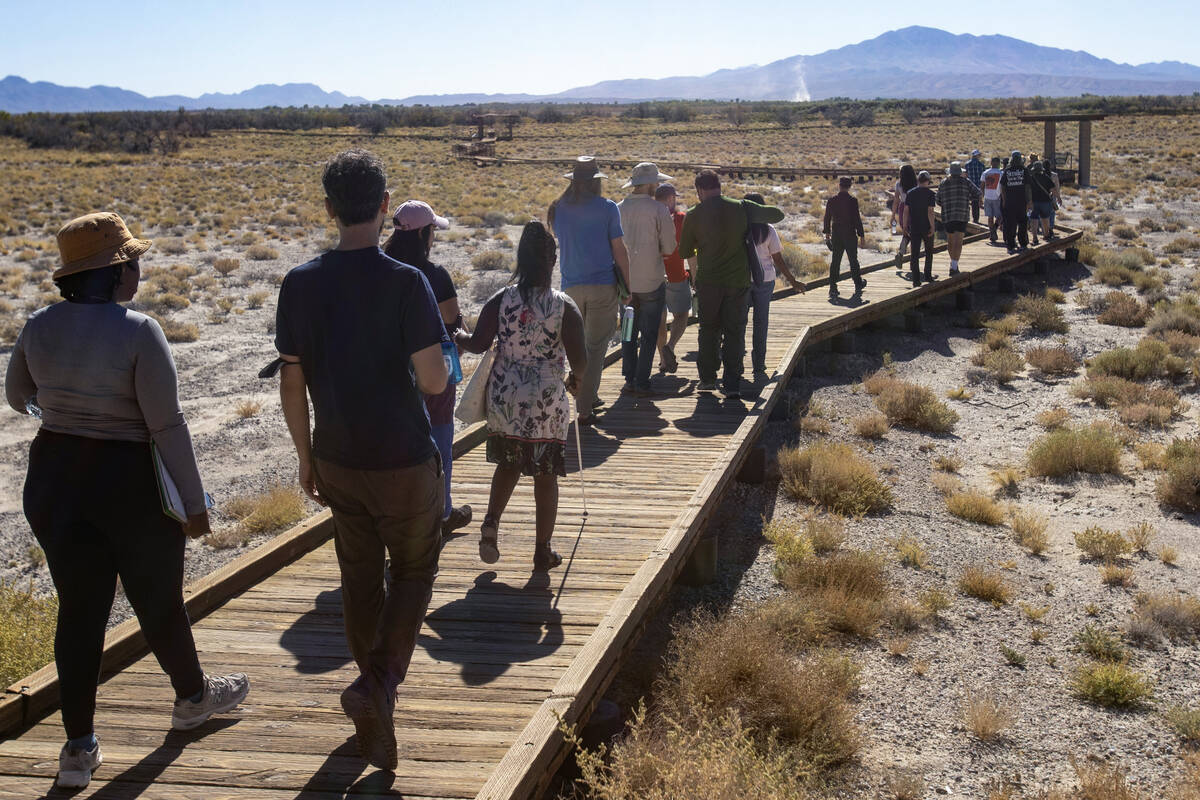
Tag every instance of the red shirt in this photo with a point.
(676, 268)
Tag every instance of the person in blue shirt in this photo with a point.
(360, 334)
(592, 253)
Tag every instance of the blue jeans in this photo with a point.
(443, 437)
(637, 355)
(758, 299)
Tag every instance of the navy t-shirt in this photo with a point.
(354, 318)
(919, 201)
(440, 406)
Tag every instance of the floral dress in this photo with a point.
(528, 413)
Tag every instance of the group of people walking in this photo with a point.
(371, 337)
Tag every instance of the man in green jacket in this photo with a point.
(714, 233)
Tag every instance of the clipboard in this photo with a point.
(168, 492)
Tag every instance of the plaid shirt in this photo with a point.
(974, 171)
(954, 195)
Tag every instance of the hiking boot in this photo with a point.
(460, 516)
(761, 376)
(627, 387)
(370, 708)
(706, 386)
(860, 285)
(221, 694)
(75, 767)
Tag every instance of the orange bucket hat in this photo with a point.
(96, 240)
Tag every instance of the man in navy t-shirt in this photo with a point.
(360, 334)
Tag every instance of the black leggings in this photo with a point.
(94, 508)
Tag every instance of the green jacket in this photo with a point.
(715, 232)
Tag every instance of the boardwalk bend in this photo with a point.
(503, 654)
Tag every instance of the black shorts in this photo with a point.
(956, 227)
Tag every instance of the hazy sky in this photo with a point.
(400, 48)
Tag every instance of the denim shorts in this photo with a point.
(1042, 210)
(679, 297)
(992, 208)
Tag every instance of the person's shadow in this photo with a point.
(339, 777)
(324, 623)
(519, 624)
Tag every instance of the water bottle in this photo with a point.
(453, 365)
(627, 324)
(32, 408)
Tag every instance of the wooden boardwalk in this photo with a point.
(504, 652)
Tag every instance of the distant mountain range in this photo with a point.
(913, 62)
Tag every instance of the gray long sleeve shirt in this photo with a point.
(102, 371)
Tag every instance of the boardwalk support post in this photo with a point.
(914, 321)
(1041, 266)
(701, 566)
(754, 470)
(1005, 284)
(964, 300)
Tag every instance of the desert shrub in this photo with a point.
(1116, 575)
(1179, 487)
(488, 284)
(813, 424)
(663, 759)
(1100, 644)
(1123, 231)
(1177, 615)
(1030, 530)
(260, 512)
(910, 551)
(984, 584)
(825, 533)
(1063, 451)
(1181, 344)
(910, 404)
(791, 543)
(1108, 391)
(1151, 358)
(804, 264)
(179, 332)
(946, 484)
(1146, 415)
(1098, 543)
(1056, 360)
(171, 246)
(27, 624)
(1182, 244)
(1055, 295)
(1040, 313)
(256, 299)
(1112, 685)
(737, 664)
(1053, 418)
(1008, 325)
(492, 259)
(1151, 455)
(947, 462)
(224, 266)
(848, 589)
(1003, 364)
(261, 252)
(1186, 723)
(247, 408)
(870, 426)
(975, 506)
(834, 476)
(1182, 315)
(1141, 536)
(1124, 311)
(986, 717)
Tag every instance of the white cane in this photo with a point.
(579, 455)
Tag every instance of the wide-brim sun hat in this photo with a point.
(644, 173)
(586, 168)
(96, 240)
(412, 215)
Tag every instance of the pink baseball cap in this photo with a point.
(412, 215)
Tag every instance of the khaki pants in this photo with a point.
(598, 305)
(394, 514)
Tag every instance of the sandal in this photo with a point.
(544, 557)
(489, 548)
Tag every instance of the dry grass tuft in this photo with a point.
(910, 551)
(1186, 722)
(1040, 313)
(791, 544)
(1123, 311)
(946, 483)
(1101, 544)
(1056, 360)
(1177, 615)
(834, 476)
(848, 589)
(1179, 487)
(1151, 455)
(910, 404)
(870, 426)
(261, 252)
(947, 463)
(975, 506)
(825, 533)
(1063, 451)
(1117, 575)
(986, 716)
(247, 408)
(224, 266)
(982, 584)
(263, 512)
(27, 625)
(1141, 536)
(1030, 530)
(1100, 644)
(1007, 480)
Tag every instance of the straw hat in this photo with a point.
(96, 240)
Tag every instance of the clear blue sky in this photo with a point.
(400, 48)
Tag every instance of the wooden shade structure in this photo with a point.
(1085, 138)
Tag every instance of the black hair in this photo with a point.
(410, 247)
(536, 253)
(758, 230)
(995, 161)
(908, 177)
(355, 183)
(92, 285)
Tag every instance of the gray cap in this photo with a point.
(924, 175)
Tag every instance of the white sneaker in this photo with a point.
(220, 694)
(75, 767)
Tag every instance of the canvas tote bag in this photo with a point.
(472, 406)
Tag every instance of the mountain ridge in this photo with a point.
(947, 65)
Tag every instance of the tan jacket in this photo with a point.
(649, 235)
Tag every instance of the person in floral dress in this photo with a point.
(536, 330)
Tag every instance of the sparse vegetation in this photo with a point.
(1056, 360)
(259, 512)
(984, 584)
(848, 589)
(975, 506)
(986, 716)
(1112, 685)
(909, 404)
(1040, 313)
(1030, 530)
(1101, 544)
(1063, 451)
(870, 426)
(27, 623)
(1179, 487)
